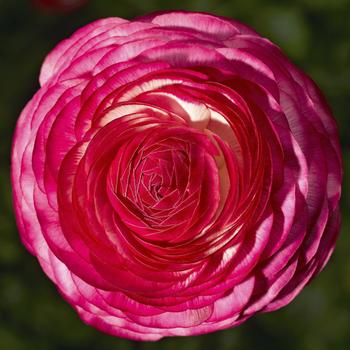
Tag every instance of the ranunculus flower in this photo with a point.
(175, 175)
(59, 5)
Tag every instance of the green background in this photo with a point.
(316, 36)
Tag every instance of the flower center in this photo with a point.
(163, 187)
(161, 177)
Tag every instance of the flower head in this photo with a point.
(175, 175)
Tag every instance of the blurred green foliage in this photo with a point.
(316, 35)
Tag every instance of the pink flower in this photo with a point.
(175, 175)
(59, 5)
